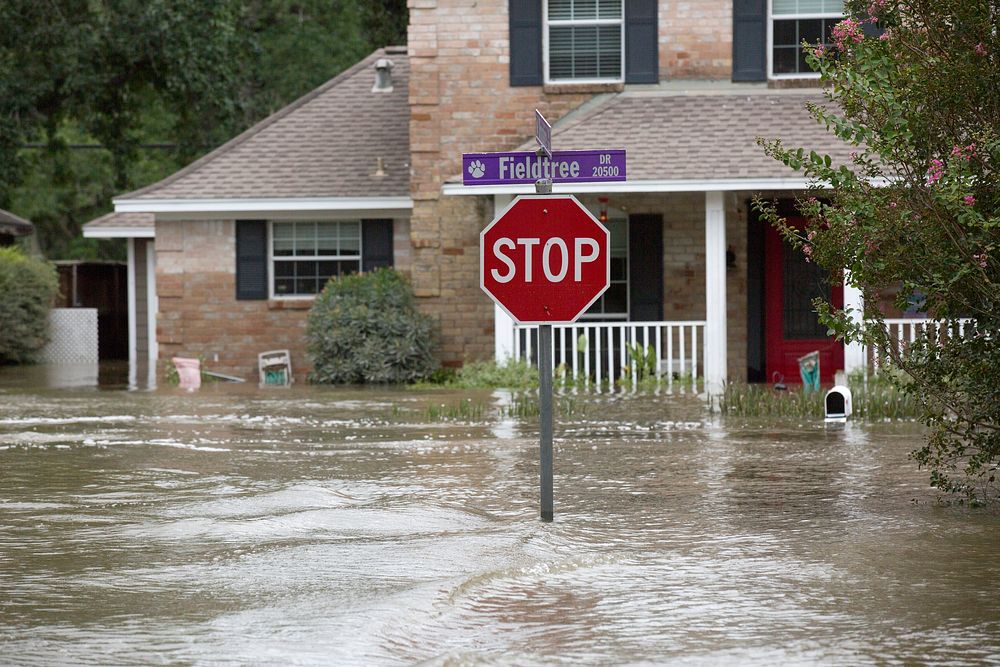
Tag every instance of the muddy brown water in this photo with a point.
(341, 526)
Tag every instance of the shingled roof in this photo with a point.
(329, 143)
(677, 139)
(700, 136)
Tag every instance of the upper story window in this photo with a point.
(795, 21)
(584, 41)
(305, 255)
(597, 42)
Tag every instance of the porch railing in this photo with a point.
(603, 353)
(905, 330)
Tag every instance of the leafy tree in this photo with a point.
(98, 98)
(918, 207)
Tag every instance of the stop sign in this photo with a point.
(545, 259)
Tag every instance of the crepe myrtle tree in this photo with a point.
(914, 85)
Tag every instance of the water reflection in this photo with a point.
(318, 526)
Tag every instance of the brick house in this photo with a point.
(366, 171)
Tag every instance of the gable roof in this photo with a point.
(325, 144)
(676, 140)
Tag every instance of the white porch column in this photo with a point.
(715, 292)
(503, 325)
(854, 353)
(130, 282)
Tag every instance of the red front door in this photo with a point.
(791, 327)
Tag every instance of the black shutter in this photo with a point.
(642, 63)
(251, 259)
(525, 42)
(645, 267)
(749, 40)
(376, 244)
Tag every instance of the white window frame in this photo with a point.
(271, 259)
(770, 39)
(546, 23)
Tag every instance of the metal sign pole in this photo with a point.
(544, 186)
(545, 418)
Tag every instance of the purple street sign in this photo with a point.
(527, 167)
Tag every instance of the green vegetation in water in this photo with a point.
(875, 400)
(513, 374)
(521, 406)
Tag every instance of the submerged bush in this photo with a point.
(365, 328)
(27, 287)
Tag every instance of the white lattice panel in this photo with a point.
(74, 337)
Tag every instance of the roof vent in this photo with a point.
(383, 76)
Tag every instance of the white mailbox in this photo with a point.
(837, 404)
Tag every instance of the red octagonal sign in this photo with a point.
(545, 259)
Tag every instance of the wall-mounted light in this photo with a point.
(603, 216)
(730, 258)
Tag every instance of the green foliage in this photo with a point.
(98, 98)
(365, 328)
(917, 207)
(27, 287)
(878, 399)
(642, 362)
(512, 374)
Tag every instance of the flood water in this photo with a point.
(238, 525)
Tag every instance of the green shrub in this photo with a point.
(365, 328)
(27, 287)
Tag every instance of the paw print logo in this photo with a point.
(477, 169)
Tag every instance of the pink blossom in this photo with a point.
(935, 171)
(847, 32)
(980, 259)
(969, 200)
(980, 49)
(810, 236)
(892, 204)
(807, 251)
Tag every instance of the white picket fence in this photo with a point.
(599, 352)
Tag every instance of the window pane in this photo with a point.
(810, 30)
(785, 7)
(560, 10)
(619, 268)
(786, 60)
(284, 286)
(305, 239)
(779, 7)
(305, 286)
(284, 269)
(283, 240)
(609, 9)
(616, 298)
(346, 267)
(584, 9)
(585, 52)
(785, 33)
(326, 238)
(350, 238)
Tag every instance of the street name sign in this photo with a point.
(521, 167)
(545, 259)
(543, 133)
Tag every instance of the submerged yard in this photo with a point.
(350, 526)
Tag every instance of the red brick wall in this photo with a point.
(199, 316)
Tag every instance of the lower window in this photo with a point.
(305, 255)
